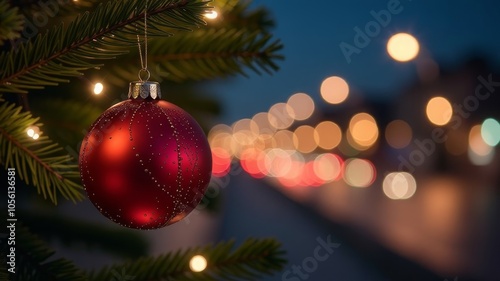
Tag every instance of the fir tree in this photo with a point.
(52, 52)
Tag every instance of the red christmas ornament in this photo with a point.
(145, 163)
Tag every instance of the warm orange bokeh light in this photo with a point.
(301, 105)
(334, 90)
(364, 131)
(261, 119)
(280, 116)
(439, 111)
(329, 135)
(244, 131)
(403, 47)
(283, 139)
(480, 153)
(305, 139)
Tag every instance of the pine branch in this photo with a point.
(34, 260)
(39, 162)
(250, 261)
(225, 52)
(208, 54)
(102, 34)
(11, 22)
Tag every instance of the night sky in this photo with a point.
(449, 32)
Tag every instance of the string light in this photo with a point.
(198, 263)
(33, 132)
(211, 15)
(98, 88)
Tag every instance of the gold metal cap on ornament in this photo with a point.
(144, 90)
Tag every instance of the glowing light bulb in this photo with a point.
(198, 263)
(33, 132)
(211, 15)
(98, 87)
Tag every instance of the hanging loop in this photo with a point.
(144, 72)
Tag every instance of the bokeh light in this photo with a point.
(334, 90)
(250, 159)
(221, 161)
(98, 88)
(363, 130)
(280, 116)
(305, 139)
(301, 106)
(283, 139)
(439, 111)
(398, 134)
(329, 135)
(399, 185)
(309, 176)
(244, 131)
(403, 47)
(480, 153)
(359, 172)
(294, 177)
(278, 162)
(328, 167)
(490, 131)
(198, 263)
(261, 119)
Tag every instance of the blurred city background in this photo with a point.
(385, 141)
(378, 137)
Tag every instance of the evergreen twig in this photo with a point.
(40, 162)
(250, 261)
(103, 34)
